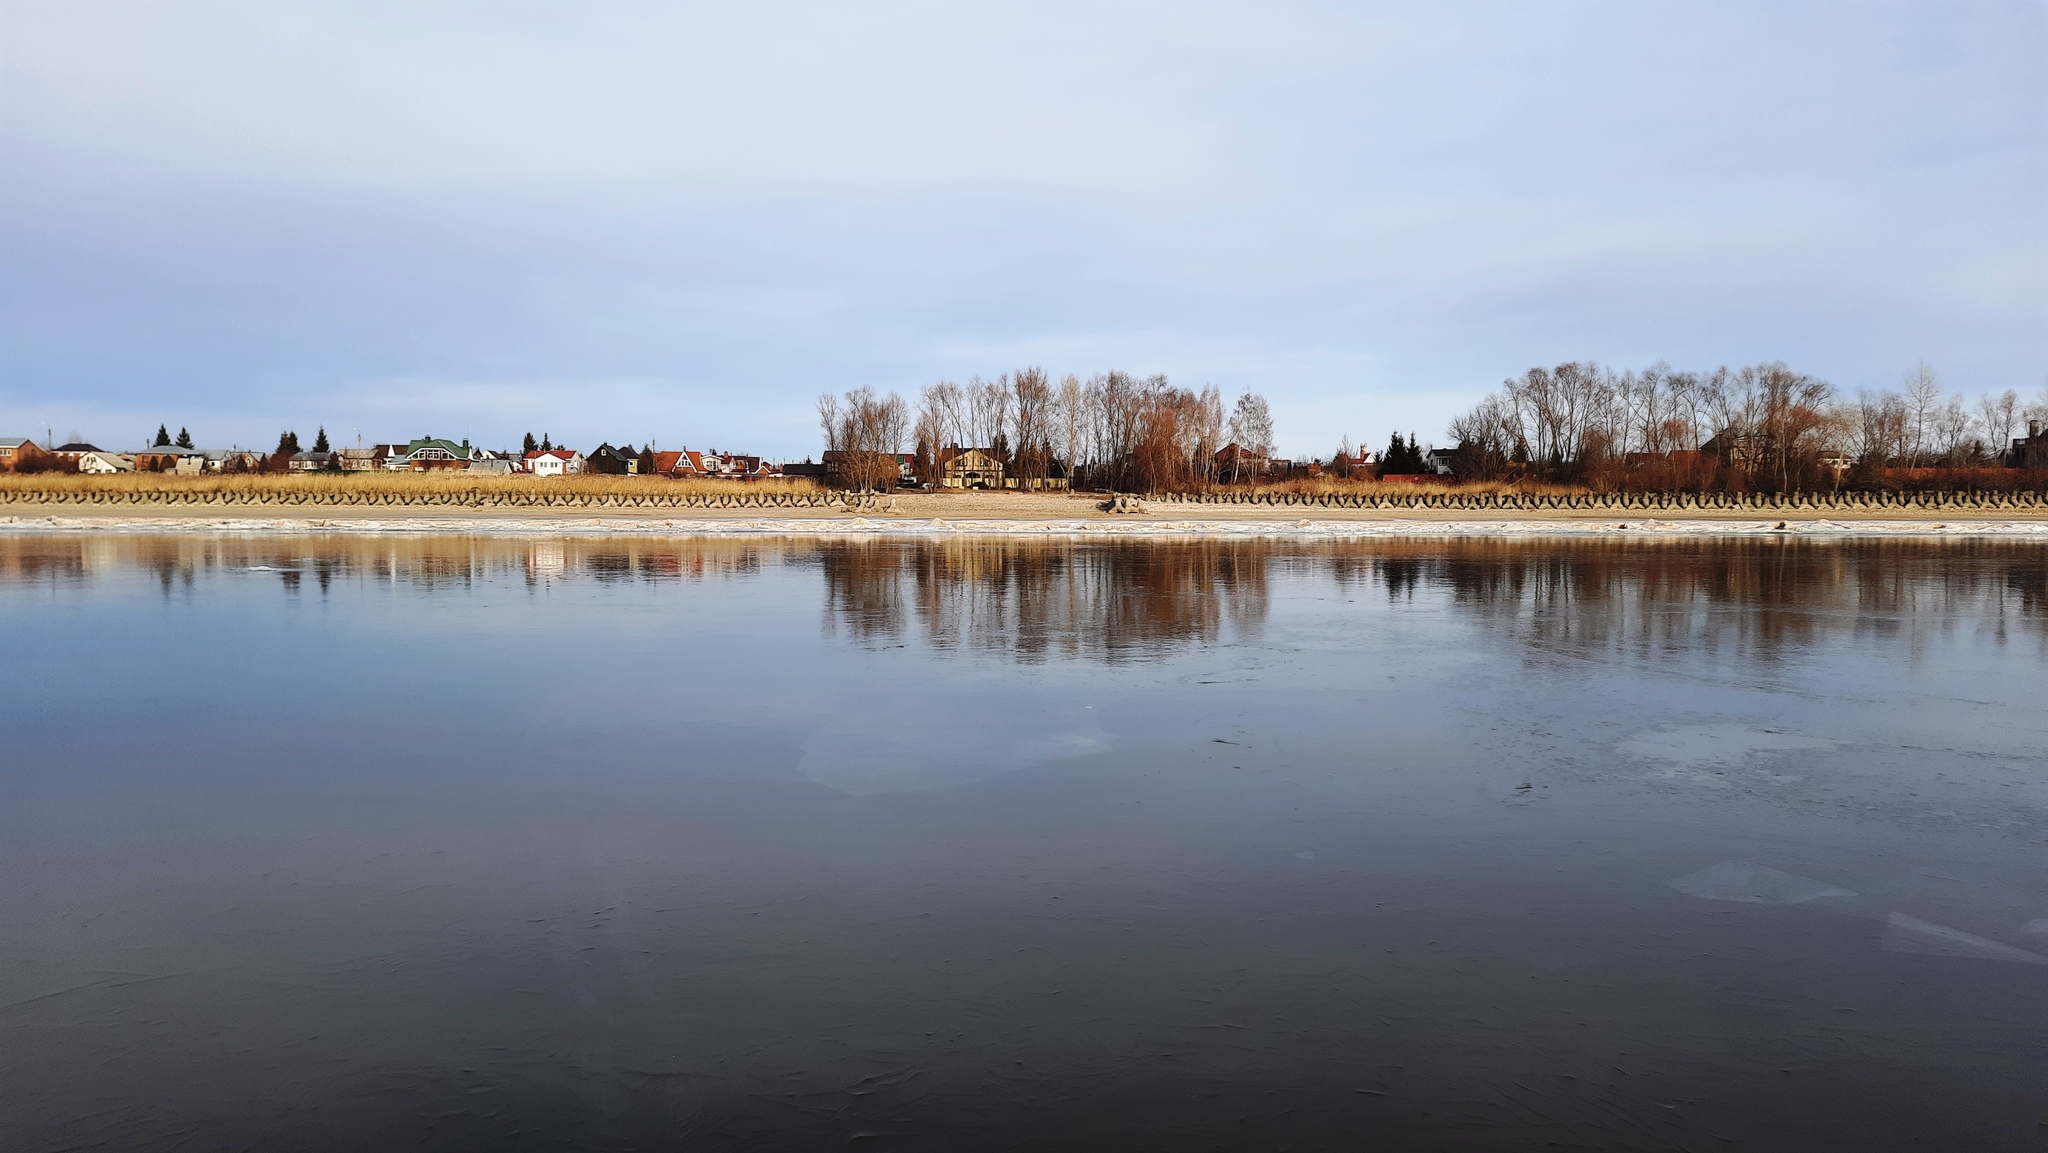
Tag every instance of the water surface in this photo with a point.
(460, 842)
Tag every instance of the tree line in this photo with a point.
(1764, 427)
(1113, 430)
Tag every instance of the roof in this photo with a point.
(14, 441)
(425, 442)
(558, 453)
(76, 446)
(311, 455)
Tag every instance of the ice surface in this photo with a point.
(1703, 746)
(1755, 884)
(1907, 934)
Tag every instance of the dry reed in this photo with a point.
(405, 483)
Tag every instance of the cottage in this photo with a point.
(2028, 452)
(165, 458)
(554, 462)
(969, 468)
(70, 453)
(429, 453)
(1234, 461)
(622, 461)
(362, 459)
(313, 462)
(101, 463)
(16, 451)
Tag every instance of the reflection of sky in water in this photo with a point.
(580, 842)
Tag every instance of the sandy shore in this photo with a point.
(1021, 514)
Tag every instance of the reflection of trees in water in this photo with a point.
(1044, 600)
(1757, 596)
(1038, 600)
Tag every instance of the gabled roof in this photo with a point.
(557, 453)
(14, 441)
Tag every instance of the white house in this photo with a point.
(554, 462)
(101, 462)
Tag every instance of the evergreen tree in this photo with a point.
(163, 437)
(287, 443)
(320, 441)
(532, 445)
(544, 445)
(184, 438)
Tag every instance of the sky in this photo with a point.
(681, 223)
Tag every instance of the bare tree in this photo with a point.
(828, 419)
(1251, 429)
(868, 438)
(2000, 416)
(1032, 415)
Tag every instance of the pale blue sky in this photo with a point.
(620, 220)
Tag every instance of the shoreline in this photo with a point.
(1104, 528)
(1013, 514)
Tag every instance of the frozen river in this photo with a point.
(463, 842)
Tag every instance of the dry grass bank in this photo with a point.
(399, 483)
(1361, 486)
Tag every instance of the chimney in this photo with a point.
(2033, 430)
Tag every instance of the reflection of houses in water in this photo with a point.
(1033, 600)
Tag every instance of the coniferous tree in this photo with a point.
(184, 438)
(320, 441)
(163, 437)
(532, 445)
(545, 446)
(287, 443)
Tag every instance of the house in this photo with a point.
(1234, 461)
(70, 453)
(554, 462)
(967, 468)
(609, 461)
(428, 453)
(2028, 452)
(313, 462)
(366, 459)
(807, 468)
(100, 463)
(680, 463)
(165, 458)
(1731, 446)
(1441, 461)
(16, 451)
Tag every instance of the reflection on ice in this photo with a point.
(1905, 934)
(913, 743)
(1701, 746)
(1756, 884)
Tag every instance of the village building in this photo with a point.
(16, 451)
(970, 468)
(99, 463)
(313, 462)
(2030, 451)
(360, 459)
(428, 454)
(70, 453)
(554, 462)
(163, 458)
(609, 461)
(1235, 462)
